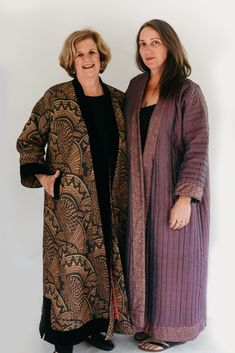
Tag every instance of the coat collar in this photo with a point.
(79, 90)
(81, 98)
(144, 163)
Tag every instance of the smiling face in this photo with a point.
(152, 51)
(87, 59)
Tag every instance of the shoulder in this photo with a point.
(60, 87)
(139, 78)
(115, 93)
(190, 88)
(58, 91)
(191, 95)
(135, 84)
(190, 91)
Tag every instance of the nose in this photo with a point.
(149, 47)
(86, 56)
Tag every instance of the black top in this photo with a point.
(103, 134)
(145, 116)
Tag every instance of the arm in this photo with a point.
(193, 172)
(32, 142)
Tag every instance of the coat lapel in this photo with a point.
(150, 149)
(145, 166)
(142, 168)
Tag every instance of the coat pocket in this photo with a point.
(57, 184)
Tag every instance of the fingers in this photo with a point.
(178, 224)
(52, 182)
(48, 181)
(49, 187)
(180, 214)
(178, 221)
(57, 173)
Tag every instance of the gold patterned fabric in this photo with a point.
(76, 277)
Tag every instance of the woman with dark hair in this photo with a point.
(167, 247)
(74, 145)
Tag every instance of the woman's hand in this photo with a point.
(180, 213)
(47, 181)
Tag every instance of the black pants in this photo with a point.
(63, 349)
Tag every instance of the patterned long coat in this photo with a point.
(76, 277)
(167, 269)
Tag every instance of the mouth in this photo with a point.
(150, 58)
(88, 66)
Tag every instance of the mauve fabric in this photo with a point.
(166, 270)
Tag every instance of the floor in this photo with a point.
(29, 342)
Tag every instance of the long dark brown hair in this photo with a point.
(177, 67)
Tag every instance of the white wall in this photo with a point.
(31, 36)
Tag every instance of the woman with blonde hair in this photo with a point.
(74, 146)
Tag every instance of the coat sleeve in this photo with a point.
(32, 142)
(193, 173)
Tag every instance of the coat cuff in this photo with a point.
(28, 171)
(190, 190)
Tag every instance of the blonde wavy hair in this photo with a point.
(67, 55)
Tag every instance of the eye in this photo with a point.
(155, 43)
(77, 55)
(92, 52)
(141, 44)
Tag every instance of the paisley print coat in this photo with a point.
(76, 277)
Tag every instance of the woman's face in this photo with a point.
(152, 51)
(87, 59)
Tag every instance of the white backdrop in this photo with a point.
(31, 36)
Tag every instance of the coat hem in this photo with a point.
(70, 337)
(173, 334)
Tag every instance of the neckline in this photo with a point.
(149, 106)
(91, 97)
